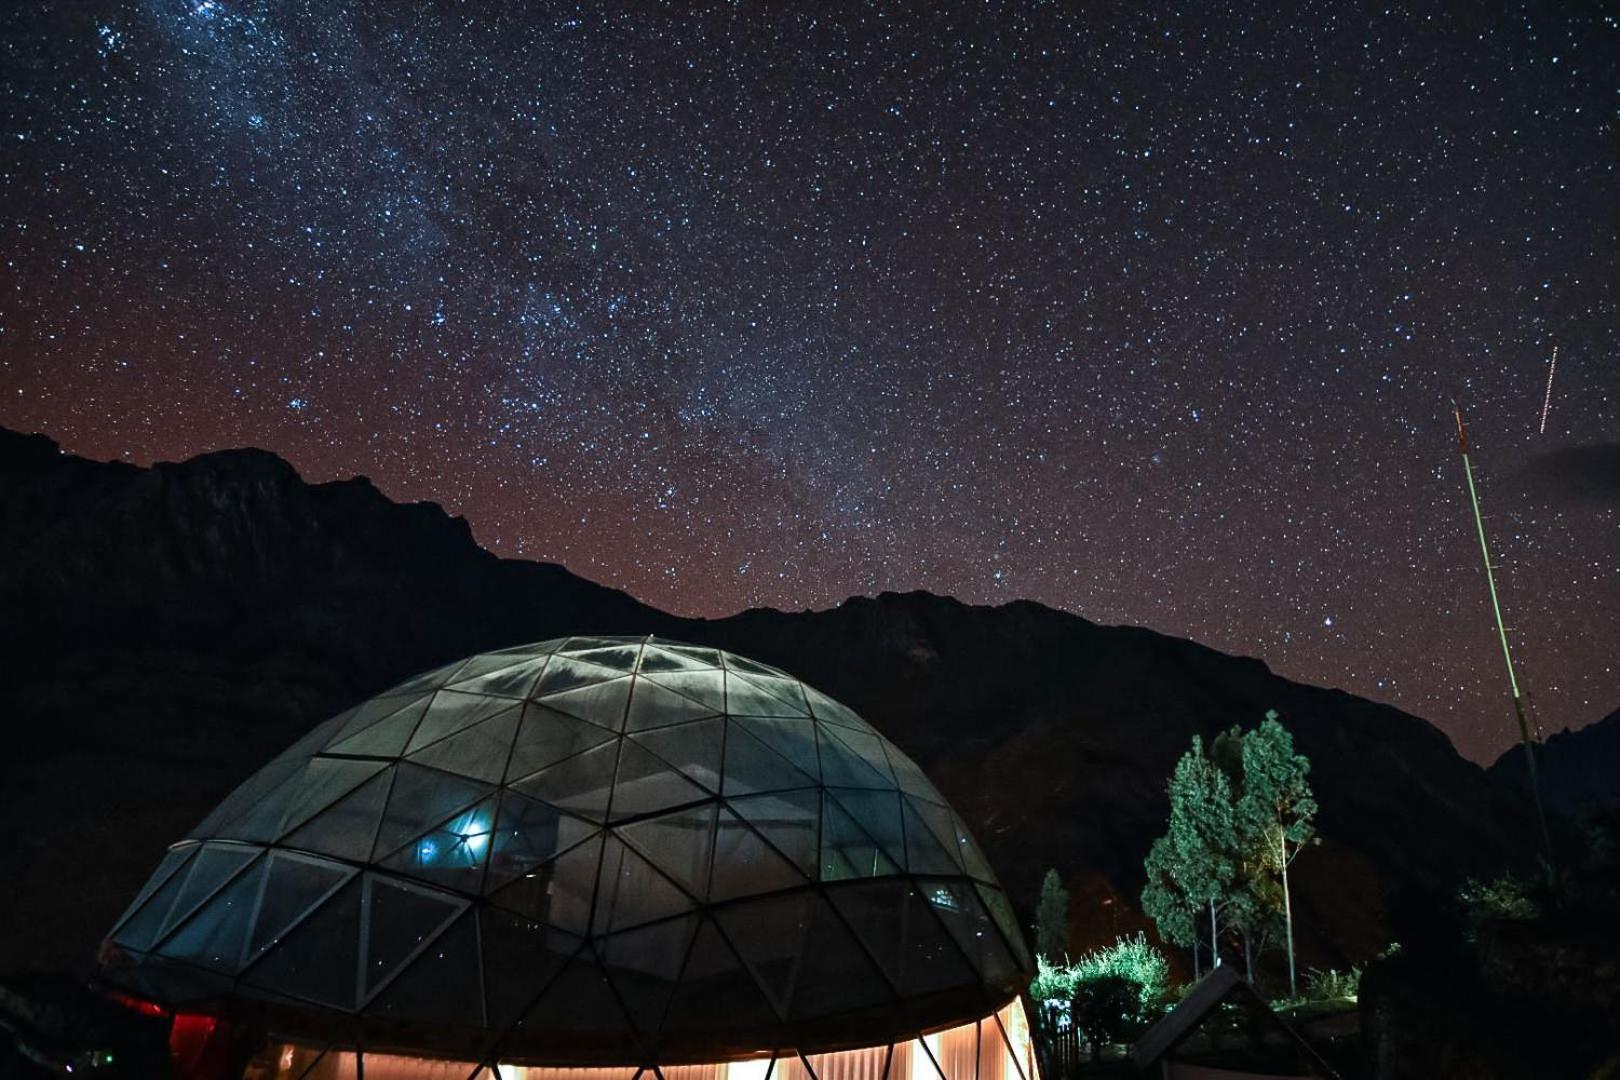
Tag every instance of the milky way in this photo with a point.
(1153, 317)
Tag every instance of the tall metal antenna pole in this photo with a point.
(1501, 632)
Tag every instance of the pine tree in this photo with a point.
(1198, 856)
(1052, 920)
(1278, 809)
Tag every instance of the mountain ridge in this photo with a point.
(186, 621)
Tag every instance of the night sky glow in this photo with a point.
(1152, 316)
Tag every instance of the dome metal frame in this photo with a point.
(583, 851)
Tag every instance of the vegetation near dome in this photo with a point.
(587, 847)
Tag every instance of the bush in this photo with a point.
(1505, 899)
(1106, 992)
(1137, 963)
(1332, 985)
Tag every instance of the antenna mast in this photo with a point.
(1501, 632)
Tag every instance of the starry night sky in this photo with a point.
(1153, 316)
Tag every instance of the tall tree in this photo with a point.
(1199, 853)
(1278, 809)
(1166, 902)
(1052, 920)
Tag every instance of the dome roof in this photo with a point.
(584, 849)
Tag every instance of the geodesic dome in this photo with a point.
(589, 850)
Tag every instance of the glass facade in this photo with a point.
(996, 1047)
(580, 850)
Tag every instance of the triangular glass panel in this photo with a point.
(707, 688)
(323, 782)
(753, 667)
(960, 909)
(580, 784)
(995, 901)
(972, 857)
(828, 711)
(706, 657)
(399, 921)
(429, 680)
(911, 779)
(451, 854)
(782, 689)
(878, 813)
(373, 710)
(442, 984)
(173, 860)
(645, 965)
(655, 659)
(557, 893)
(717, 992)
(752, 767)
(452, 711)
(652, 706)
(692, 748)
(387, 737)
(680, 844)
(140, 928)
(631, 892)
(239, 817)
(517, 681)
(835, 974)
(214, 865)
(875, 911)
(420, 800)
(293, 886)
(745, 865)
(579, 999)
(744, 697)
(318, 960)
(345, 829)
(867, 746)
(215, 935)
(565, 673)
(547, 736)
(580, 644)
(533, 648)
(930, 839)
(478, 752)
(842, 766)
(602, 703)
(932, 960)
(794, 740)
(521, 957)
(261, 821)
(645, 784)
(769, 934)
(790, 821)
(528, 833)
(618, 657)
(848, 850)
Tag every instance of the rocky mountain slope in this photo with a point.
(167, 629)
(1579, 770)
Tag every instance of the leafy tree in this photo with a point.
(1276, 812)
(1167, 904)
(1198, 858)
(1052, 919)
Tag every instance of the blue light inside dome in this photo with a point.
(427, 851)
(472, 834)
